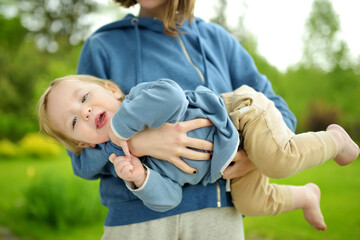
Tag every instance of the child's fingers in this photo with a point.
(121, 161)
(125, 148)
(135, 161)
(112, 157)
(126, 169)
(123, 166)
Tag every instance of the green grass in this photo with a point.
(15, 177)
(340, 204)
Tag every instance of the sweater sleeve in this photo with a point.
(92, 163)
(158, 192)
(149, 105)
(243, 71)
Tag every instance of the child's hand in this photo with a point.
(129, 168)
(121, 143)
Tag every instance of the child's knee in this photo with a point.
(248, 208)
(279, 165)
(276, 172)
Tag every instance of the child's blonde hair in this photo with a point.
(46, 125)
(176, 12)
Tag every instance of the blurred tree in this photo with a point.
(16, 65)
(52, 20)
(323, 47)
(247, 40)
(240, 32)
(220, 17)
(24, 73)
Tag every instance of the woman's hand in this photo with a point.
(170, 142)
(241, 165)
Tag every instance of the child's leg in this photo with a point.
(270, 144)
(253, 196)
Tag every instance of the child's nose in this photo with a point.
(86, 112)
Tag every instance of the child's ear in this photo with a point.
(114, 90)
(84, 145)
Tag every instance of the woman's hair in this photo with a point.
(45, 123)
(176, 12)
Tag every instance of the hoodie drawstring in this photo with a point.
(135, 23)
(202, 53)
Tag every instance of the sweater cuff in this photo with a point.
(131, 186)
(115, 132)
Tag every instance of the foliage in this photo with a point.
(32, 145)
(61, 202)
(38, 145)
(8, 149)
(24, 74)
(49, 21)
(11, 28)
(322, 46)
(220, 17)
(321, 115)
(20, 174)
(241, 32)
(16, 89)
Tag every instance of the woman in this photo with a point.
(164, 41)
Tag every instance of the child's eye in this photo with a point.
(74, 122)
(84, 97)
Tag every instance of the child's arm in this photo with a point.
(157, 192)
(149, 105)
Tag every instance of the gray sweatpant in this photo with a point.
(205, 224)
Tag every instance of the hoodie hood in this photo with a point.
(131, 21)
(155, 25)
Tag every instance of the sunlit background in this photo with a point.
(279, 24)
(308, 49)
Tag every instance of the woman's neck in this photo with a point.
(154, 13)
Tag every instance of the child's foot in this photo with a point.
(348, 150)
(312, 211)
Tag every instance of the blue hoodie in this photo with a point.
(135, 50)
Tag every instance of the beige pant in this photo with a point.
(274, 149)
(206, 224)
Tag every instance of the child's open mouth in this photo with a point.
(101, 120)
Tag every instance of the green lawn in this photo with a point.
(340, 204)
(15, 176)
